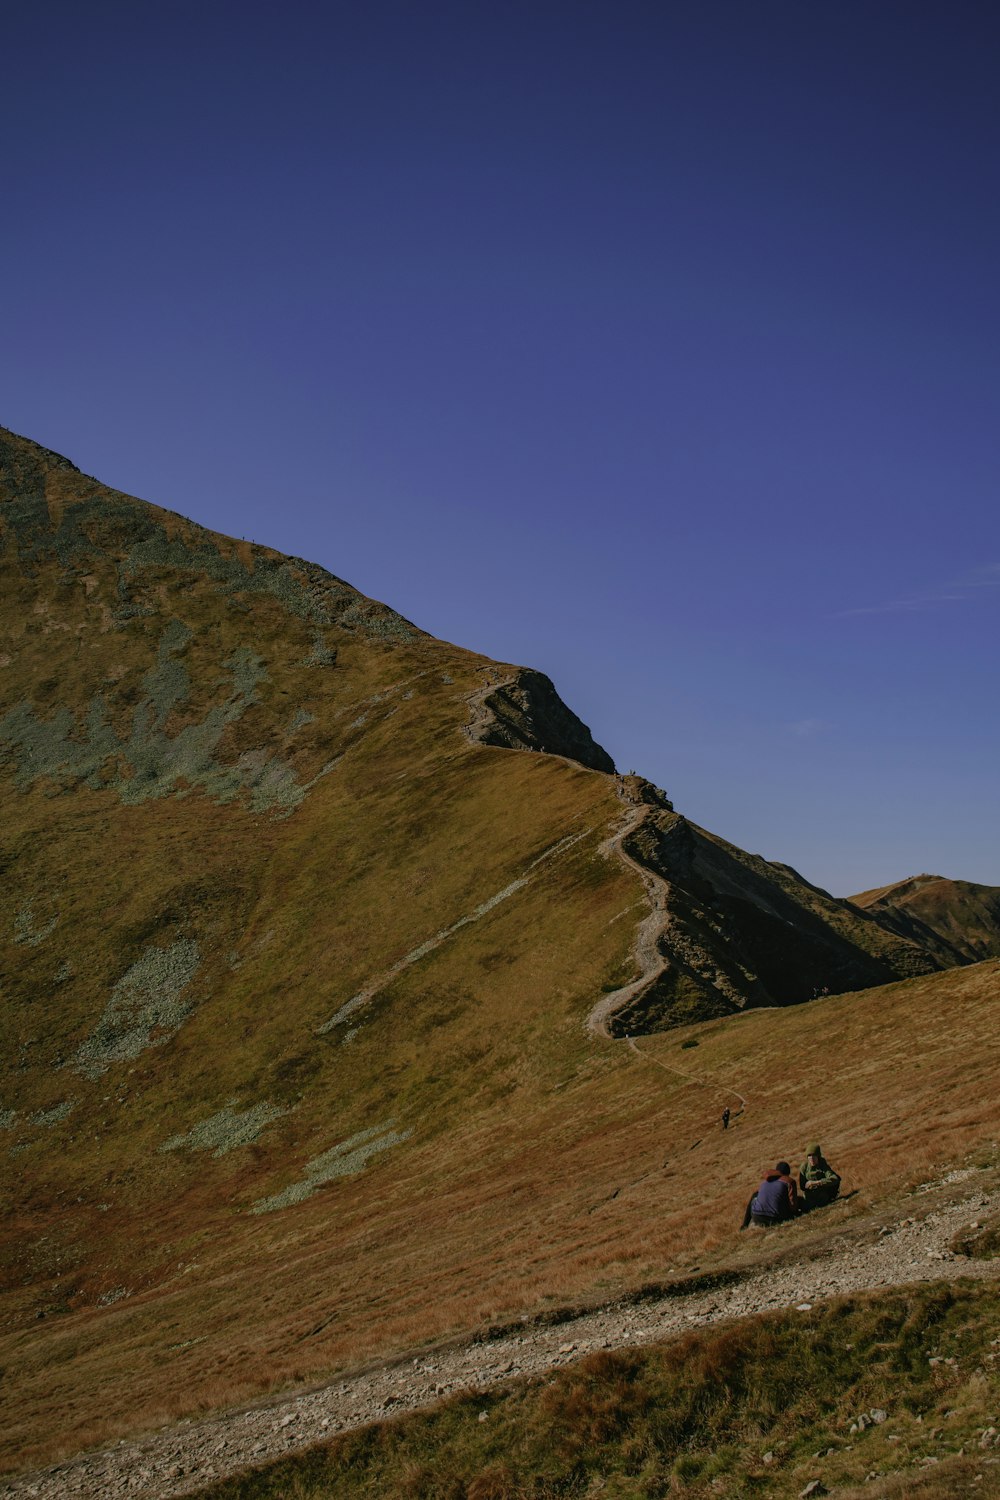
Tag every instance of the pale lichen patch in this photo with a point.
(116, 1294)
(145, 1008)
(321, 654)
(149, 762)
(44, 1119)
(224, 1131)
(29, 933)
(343, 1160)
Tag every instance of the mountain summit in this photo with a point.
(956, 920)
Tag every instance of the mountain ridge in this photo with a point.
(304, 916)
(956, 919)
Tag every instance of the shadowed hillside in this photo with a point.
(955, 920)
(740, 930)
(298, 950)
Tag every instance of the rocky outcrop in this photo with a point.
(526, 713)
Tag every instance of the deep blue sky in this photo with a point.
(653, 345)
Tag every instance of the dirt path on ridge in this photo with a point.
(651, 961)
(713, 1083)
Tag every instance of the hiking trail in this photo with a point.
(861, 1253)
(652, 963)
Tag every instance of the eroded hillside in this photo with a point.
(742, 931)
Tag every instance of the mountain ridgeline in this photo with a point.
(957, 921)
(303, 917)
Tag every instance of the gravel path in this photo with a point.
(725, 1088)
(185, 1457)
(652, 927)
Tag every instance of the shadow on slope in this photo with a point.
(742, 931)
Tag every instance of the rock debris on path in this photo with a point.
(189, 1455)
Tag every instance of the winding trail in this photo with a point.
(692, 1077)
(651, 961)
(858, 1254)
(652, 928)
(480, 715)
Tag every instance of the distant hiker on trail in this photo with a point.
(725, 1118)
(775, 1201)
(820, 1184)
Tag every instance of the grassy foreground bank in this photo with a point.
(760, 1407)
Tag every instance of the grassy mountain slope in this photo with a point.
(295, 972)
(767, 1406)
(267, 910)
(645, 1186)
(954, 919)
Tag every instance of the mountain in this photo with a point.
(310, 971)
(955, 920)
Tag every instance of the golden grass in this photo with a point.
(513, 1210)
(542, 1165)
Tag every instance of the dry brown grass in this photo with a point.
(514, 1211)
(761, 1407)
(543, 1165)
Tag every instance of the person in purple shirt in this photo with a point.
(775, 1201)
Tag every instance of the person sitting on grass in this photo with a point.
(820, 1184)
(775, 1201)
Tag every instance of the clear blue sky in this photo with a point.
(653, 345)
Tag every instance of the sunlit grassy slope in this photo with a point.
(294, 1070)
(238, 795)
(766, 1407)
(618, 1172)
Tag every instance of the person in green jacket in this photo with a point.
(820, 1184)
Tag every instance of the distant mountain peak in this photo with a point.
(956, 919)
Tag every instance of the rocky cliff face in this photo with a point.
(525, 712)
